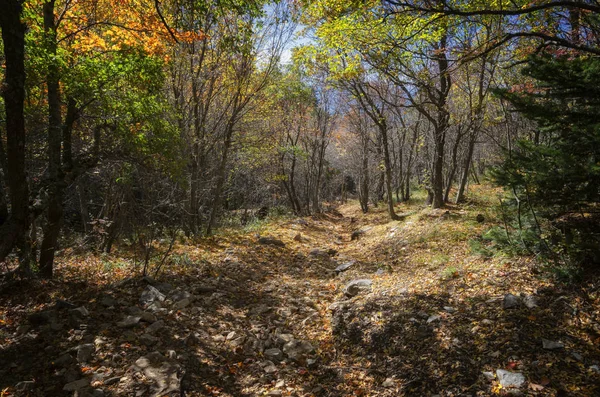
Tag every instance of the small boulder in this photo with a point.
(551, 345)
(271, 241)
(356, 287)
(129, 322)
(530, 301)
(151, 294)
(84, 352)
(510, 380)
(155, 327)
(510, 301)
(344, 266)
(273, 354)
(76, 385)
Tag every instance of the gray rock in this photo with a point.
(509, 380)
(182, 304)
(23, 329)
(318, 253)
(98, 393)
(112, 381)
(530, 301)
(148, 339)
(595, 369)
(129, 322)
(178, 295)
(134, 310)
(380, 272)
(108, 301)
(489, 375)
(164, 287)
(282, 339)
(510, 301)
(161, 372)
(344, 266)
(275, 393)
(389, 382)
(270, 368)
(296, 348)
(63, 304)
(551, 345)
(25, 385)
(449, 309)
(355, 287)
(84, 352)
(433, 318)
(147, 317)
(273, 354)
(76, 385)
(271, 241)
(40, 318)
(150, 295)
(63, 361)
(155, 327)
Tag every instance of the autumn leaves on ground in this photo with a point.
(410, 311)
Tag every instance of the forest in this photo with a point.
(299, 198)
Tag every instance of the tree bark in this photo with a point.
(13, 91)
(55, 131)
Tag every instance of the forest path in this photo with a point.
(263, 312)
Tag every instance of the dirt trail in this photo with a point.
(249, 315)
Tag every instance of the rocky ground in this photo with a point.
(340, 304)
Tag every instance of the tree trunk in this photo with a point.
(364, 181)
(388, 172)
(55, 130)
(13, 91)
(466, 168)
(218, 190)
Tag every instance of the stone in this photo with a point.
(449, 309)
(129, 322)
(509, 380)
(273, 354)
(380, 272)
(26, 385)
(271, 241)
(344, 266)
(40, 318)
(76, 385)
(112, 381)
(63, 304)
(63, 361)
(282, 339)
(147, 317)
(318, 253)
(134, 310)
(433, 318)
(275, 393)
(270, 369)
(595, 369)
(97, 393)
(389, 382)
(355, 287)
(155, 327)
(178, 295)
(510, 301)
(489, 375)
(148, 339)
(296, 348)
(151, 294)
(530, 301)
(551, 345)
(182, 304)
(108, 301)
(85, 352)
(160, 372)
(23, 329)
